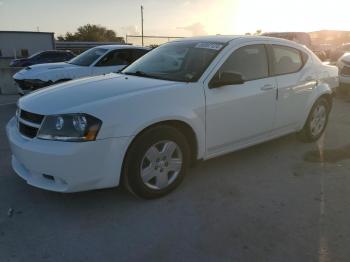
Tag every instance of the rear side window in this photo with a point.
(286, 60)
(249, 61)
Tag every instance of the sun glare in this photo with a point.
(244, 16)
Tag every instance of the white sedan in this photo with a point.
(187, 100)
(95, 61)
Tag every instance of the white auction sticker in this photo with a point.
(213, 46)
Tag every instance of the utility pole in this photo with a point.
(142, 24)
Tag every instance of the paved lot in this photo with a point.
(272, 202)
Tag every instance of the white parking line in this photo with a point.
(7, 104)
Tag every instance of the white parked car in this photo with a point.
(187, 100)
(95, 61)
(344, 69)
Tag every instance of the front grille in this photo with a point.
(345, 71)
(29, 123)
(27, 131)
(32, 84)
(31, 117)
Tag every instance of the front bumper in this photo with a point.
(66, 166)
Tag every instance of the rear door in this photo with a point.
(295, 81)
(237, 115)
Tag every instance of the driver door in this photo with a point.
(241, 114)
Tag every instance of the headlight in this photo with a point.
(70, 127)
(37, 83)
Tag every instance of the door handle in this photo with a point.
(267, 87)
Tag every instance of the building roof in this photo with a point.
(26, 32)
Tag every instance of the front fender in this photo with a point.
(192, 120)
(127, 115)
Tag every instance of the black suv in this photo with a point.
(51, 56)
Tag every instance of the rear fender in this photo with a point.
(321, 89)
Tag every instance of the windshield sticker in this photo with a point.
(213, 46)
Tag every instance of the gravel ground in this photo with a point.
(273, 202)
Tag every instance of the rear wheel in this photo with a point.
(316, 122)
(156, 162)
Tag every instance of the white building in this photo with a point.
(16, 44)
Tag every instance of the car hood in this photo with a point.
(20, 60)
(77, 95)
(31, 71)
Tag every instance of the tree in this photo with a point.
(258, 32)
(152, 46)
(93, 33)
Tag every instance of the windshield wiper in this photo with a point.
(140, 73)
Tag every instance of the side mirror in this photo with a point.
(226, 78)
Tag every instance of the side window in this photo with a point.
(45, 55)
(248, 61)
(286, 60)
(117, 57)
(137, 53)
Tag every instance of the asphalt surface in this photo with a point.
(272, 202)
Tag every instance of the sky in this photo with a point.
(176, 17)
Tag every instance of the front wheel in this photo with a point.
(316, 122)
(156, 162)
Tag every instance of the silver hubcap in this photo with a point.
(161, 165)
(318, 120)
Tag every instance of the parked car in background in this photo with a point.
(298, 37)
(186, 100)
(344, 70)
(95, 61)
(338, 52)
(51, 56)
(302, 38)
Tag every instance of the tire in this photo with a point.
(314, 128)
(148, 165)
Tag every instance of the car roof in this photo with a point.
(113, 47)
(54, 51)
(210, 38)
(225, 38)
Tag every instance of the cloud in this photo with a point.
(1, 3)
(195, 29)
(187, 3)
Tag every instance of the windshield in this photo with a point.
(88, 57)
(34, 55)
(177, 61)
